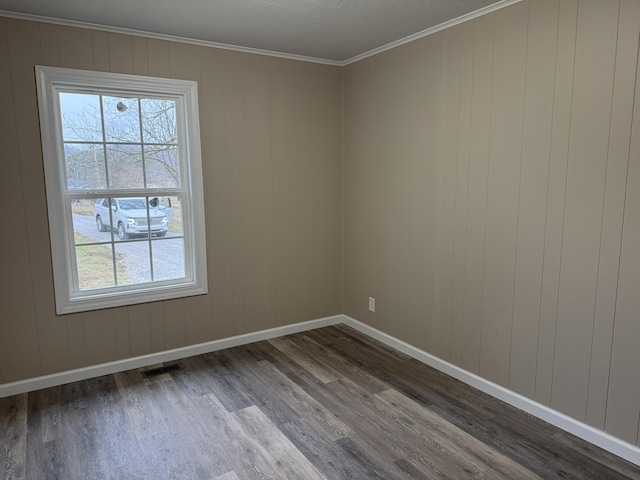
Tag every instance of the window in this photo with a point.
(124, 187)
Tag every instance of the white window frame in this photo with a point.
(69, 298)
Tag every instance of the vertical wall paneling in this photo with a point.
(447, 182)
(623, 402)
(184, 61)
(198, 323)
(534, 180)
(427, 209)
(257, 194)
(232, 138)
(120, 53)
(157, 330)
(477, 195)
(102, 51)
(49, 44)
(291, 296)
(560, 124)
(588, 143)
(100, 336)
(317, 195)
(55, 351)
(352, 224)
(77, 47)
(52, 350)
(76, 340)
(393, 211)
(218, 216)
(122, 332)
(16, 289)
(531, 233)
(387, 222)
(509, 67)
(358, 122)
(325, 144)
(140, 56)
(616, 173)
(299, 302)
(174, 327)
(462, 190)
(158, 61)
(418, 296)
(139, 329)
(283, 93)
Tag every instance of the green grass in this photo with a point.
(95, 265)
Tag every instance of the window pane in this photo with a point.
(159, 121)
(85, 166)
(173, 210)
(88, 223)
(125, 166)
(168, 258)
(134, 264)
(95, 266)
(130, 218)
(133, 218)
(162, 166)
(121, 119)
(80, 114)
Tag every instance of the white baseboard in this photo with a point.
(93, 371)
(582, 430)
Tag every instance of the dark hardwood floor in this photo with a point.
(330, 403)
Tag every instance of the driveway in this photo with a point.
(135, 254)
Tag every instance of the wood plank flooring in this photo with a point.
(326, 404)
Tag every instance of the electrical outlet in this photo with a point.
(372, 304)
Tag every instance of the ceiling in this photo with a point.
(333, 31)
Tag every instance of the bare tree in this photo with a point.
(137, 135)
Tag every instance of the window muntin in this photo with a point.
(124, 188)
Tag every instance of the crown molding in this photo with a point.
(430, 31)
(256, 51)
(160, 36)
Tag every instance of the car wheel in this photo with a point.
(122, 235)
(100, 226)
(161, 234)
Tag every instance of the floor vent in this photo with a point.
(160, 370)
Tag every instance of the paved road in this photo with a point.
(134, 254)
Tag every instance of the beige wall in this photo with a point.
(271, 141)
(492, 201)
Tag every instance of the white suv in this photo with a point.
(130, 217)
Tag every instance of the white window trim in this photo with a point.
(49, 80)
